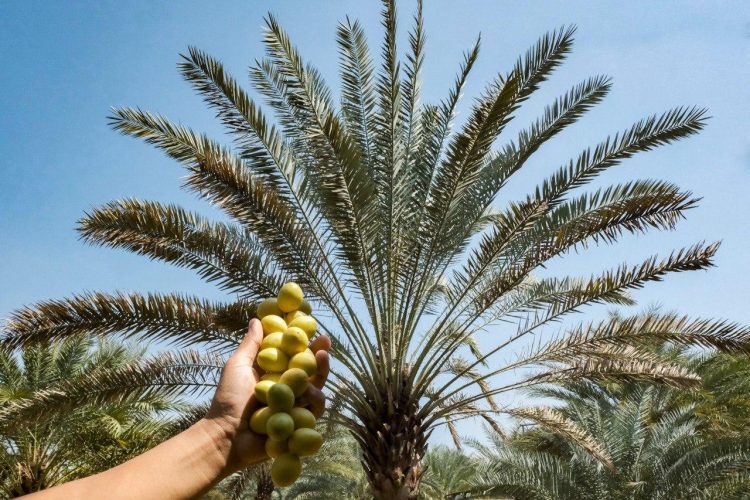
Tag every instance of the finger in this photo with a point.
(324, 366)
(315, 400)
(322, 343)
(249, 346)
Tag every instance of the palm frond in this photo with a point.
(344, 187)
(411, 113)
(258, 141)
(649, 328)
(489, 116)
(594, 291)
(223, 179)
(693, 258)
(498, 168)
(438, 121)
(555, 422)
(619, 364)
(357, 92)
(166, 375)
(174, 318)
(49, 439)
(390, 154)
(221, 253)
(645, 135)
(606, 364)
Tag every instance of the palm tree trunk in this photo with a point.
(31, 478)
(264, 488)
(393, 447)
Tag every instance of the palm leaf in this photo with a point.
(219, 252)
(165, 375)
(174, 318)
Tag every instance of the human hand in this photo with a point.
(234, 401)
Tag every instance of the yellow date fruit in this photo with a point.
(305, 360)
(259, 420)
(272, 359)
(293, 341)
(289, 317)
(279, 426)
(303, 418)
(290, 297)
(305, 442)
(296, 379)
(305, 323)
(268, 306)
(285, 470)
(272, 323)
(272, 340)
(271, 376)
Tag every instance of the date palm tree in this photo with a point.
(384, 210)
(723, 400)
(41, 450)
(656, 447)
(448, 471)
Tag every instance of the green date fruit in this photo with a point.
(279, 426)
(285, 470)
(280, 398)
(305, 442)
(303, 418)
(305, 307)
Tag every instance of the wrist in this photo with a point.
(218, 438)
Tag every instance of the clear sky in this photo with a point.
(65, 63)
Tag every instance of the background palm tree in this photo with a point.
(657, 450)
(723, 400)
(383, 210)
(41, 450)
(448, 471)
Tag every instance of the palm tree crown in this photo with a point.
(45, 447)
(383, 210)
(655, 445)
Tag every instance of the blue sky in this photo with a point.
(65, 63)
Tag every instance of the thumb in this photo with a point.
(249, 346)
